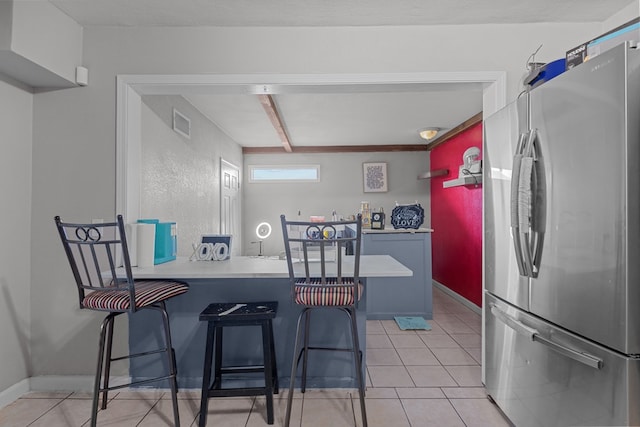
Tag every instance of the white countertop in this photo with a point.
(257, 267)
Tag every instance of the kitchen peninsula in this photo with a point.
(243, 279)
(400, 296)
(388, 297)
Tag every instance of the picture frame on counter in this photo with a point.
(374, 177)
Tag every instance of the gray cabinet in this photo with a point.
(400, 296)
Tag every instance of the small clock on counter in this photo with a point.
(377, 220)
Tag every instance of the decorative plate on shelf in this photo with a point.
(407, 216)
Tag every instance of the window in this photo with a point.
(284, 173)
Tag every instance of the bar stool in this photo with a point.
(219, 315)
(105, 283)
(317, 283)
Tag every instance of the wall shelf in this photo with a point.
(433, 174)
(473, 179)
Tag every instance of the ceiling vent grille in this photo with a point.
(181, 124)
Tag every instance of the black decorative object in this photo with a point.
(407, 216)
(377, 221)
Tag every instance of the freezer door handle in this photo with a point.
(514, 324)
(534, 335)
(584, 358)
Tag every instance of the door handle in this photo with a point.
(579, 356)
(515, 220)
(513, 323)
(539, 205)
(525, 205)
(534, 335)
(529, 241)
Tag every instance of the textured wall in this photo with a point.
(456, 217)
(180, 177)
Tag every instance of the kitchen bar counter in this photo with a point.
(262, 267)
(245, 279)
(388, 297)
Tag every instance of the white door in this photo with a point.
(230, 214)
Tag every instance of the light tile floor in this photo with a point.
(414, 378)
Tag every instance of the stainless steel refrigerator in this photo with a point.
(562, 248)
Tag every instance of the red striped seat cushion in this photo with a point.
(147, 292)
(330, 294)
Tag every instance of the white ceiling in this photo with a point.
(339, 117)
(326, 13)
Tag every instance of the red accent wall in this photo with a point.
(456, 217)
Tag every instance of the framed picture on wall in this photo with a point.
(374, 176)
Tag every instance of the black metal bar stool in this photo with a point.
(219, 315)
(318, 283)
(107, 284)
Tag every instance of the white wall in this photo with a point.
(15, 228)
(180, 177)
(39, 45)
(340, 189)
(6, 23)
(56, 43)
(74, 130)
(625, 15)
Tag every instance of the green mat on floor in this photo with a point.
(406, 323)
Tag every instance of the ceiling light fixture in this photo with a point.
(429, 133)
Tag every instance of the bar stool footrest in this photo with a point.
(241, 369)
(234, 392)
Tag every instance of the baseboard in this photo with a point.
(457, 297)
(65, 382)
(14, 392)
(52, 383)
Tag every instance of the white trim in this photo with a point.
(14, 392)
(457, 297)
(131, 86)
(52, 383)
(177, 84)
(128, 150)
(68, 382)
(494, 95)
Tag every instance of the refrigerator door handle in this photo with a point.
(537, 204)
(529, 238)
(584, 358)
(525, 194)
(513, 323)
(515, 221)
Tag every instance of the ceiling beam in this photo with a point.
(336, 149)
(270, 108)
(455, 131)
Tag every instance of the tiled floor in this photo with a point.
(415, 378)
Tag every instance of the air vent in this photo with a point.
(181, 124)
